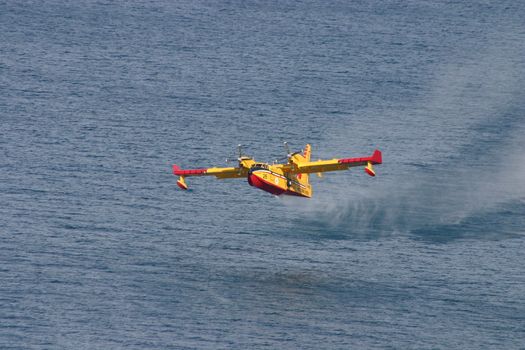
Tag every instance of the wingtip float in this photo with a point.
(290, 178)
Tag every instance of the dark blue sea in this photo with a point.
(99, 248)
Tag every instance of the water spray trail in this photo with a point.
(460, 154)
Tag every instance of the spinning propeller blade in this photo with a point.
(289, 154)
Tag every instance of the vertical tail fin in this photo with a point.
(307, 153)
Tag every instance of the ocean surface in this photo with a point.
(99, 249)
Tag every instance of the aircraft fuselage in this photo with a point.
(275, 181)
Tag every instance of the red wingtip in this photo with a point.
(377, 157)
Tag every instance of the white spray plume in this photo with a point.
(464, 154)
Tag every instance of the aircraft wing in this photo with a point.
(220, 173)
(341, 164)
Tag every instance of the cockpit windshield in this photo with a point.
(260, 166)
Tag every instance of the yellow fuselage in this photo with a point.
(278, 180)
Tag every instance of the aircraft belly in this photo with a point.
(267, 182)
(276, 184)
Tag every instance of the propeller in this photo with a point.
(239, 150)
(287, 147)
(289, 154)
(240, 155)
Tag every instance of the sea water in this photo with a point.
(99, 249)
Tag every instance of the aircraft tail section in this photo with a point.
(303, 179)
(307, 153)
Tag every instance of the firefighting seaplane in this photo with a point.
(290, 178)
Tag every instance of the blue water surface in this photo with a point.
(99, 249)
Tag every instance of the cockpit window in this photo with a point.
(260, 166)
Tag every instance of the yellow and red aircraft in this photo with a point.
(290, 178)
